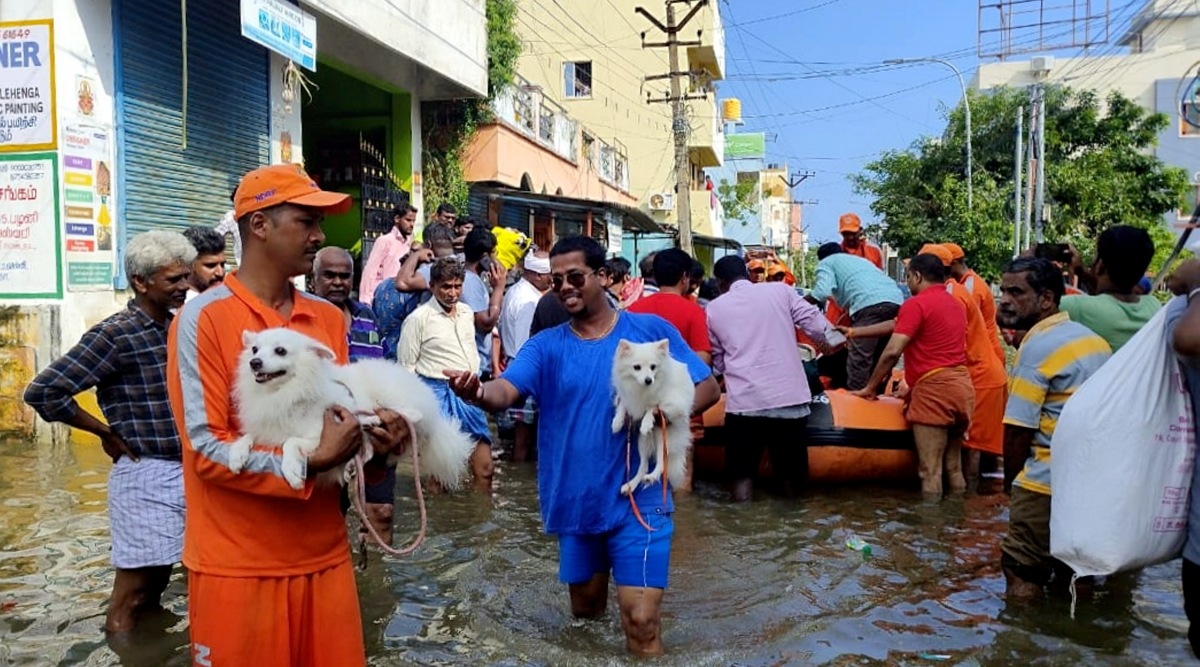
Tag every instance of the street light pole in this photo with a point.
(966, 107)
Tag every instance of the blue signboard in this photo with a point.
(284, 28)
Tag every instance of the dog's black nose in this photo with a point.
(256, 364)
(649, 381)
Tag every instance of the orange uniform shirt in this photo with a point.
(985, 369)
(866, 251)
(251, 524)
(979, 288)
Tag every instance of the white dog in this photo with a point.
(286, 381)
(647, 379)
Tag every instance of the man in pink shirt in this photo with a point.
(752, 328)
(386, 253)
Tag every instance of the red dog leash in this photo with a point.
(359, 498)
(628, 459)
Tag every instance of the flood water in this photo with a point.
(766, 584)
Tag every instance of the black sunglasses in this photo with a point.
(574, 279)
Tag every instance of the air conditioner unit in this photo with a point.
(662, 201)
(1041, 64)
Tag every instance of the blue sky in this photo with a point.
(871, 111)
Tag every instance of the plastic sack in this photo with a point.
(1121, 462)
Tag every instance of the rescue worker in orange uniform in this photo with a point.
(988, 377)
(850, 227)
(269, 575)
(979, 288)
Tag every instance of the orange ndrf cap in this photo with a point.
(956, 251)
(284, 184)
(849, 222)
(938, 251)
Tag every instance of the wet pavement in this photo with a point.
(761, 585)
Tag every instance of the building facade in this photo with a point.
(141, 116)
(1161, 44)
(588, 58)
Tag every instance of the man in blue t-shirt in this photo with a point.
(567, 369)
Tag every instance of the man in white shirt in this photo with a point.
(516, 317)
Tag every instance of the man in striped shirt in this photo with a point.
(1056, 356)
(333, 271)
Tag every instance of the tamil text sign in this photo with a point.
(30, 263)
(284, 28)
(26, 86)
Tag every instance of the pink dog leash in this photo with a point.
(359, 498)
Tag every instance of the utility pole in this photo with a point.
(1030, 173)
(680, 128)
(1017, 180)
(1039, 218)
(798, 178)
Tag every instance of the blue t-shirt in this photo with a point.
(475, 295)
(581, 462)
(1191, 373)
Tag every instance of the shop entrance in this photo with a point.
(358, 140)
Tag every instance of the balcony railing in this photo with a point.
(612, 164)
(525, 109)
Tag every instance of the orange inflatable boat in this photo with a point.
(849, 440)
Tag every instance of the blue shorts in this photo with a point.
(634, 555)
(382, 492)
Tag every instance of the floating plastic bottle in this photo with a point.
(855, 543)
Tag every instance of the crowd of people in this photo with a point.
(524, 351)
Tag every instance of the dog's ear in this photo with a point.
(663, 346)
(624, 348)
(248, 338)
(322, 351)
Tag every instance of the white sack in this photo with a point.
(1121, 461)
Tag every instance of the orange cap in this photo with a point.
(284, 184)
(938, 251)
(849, 222)
(956, 251)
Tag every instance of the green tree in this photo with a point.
(1099, 173)
(739, 199)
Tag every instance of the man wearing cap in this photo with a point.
(516, 318)
(269, 574)
(853, 243)
(980, 291)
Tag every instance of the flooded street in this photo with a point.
(766, 584)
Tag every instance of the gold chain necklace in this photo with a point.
(611, 325)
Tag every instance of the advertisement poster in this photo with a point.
(87, 205)
(27, 86)
(30, 263)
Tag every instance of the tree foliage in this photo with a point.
(447, 126)
(1099, 173)
(739, 199)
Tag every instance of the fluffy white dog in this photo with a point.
(646, 379)
(286, 381)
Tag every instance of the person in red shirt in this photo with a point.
(672, 271)
(270, 582)
(931, 333)
(850, 227)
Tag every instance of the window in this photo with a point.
(1189, 116)
(578, 79)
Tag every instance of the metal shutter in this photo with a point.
(163, 184)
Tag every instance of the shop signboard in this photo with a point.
(30, 258)
(282, 27)
(27, 86)
(87, 180)
(751, 145)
